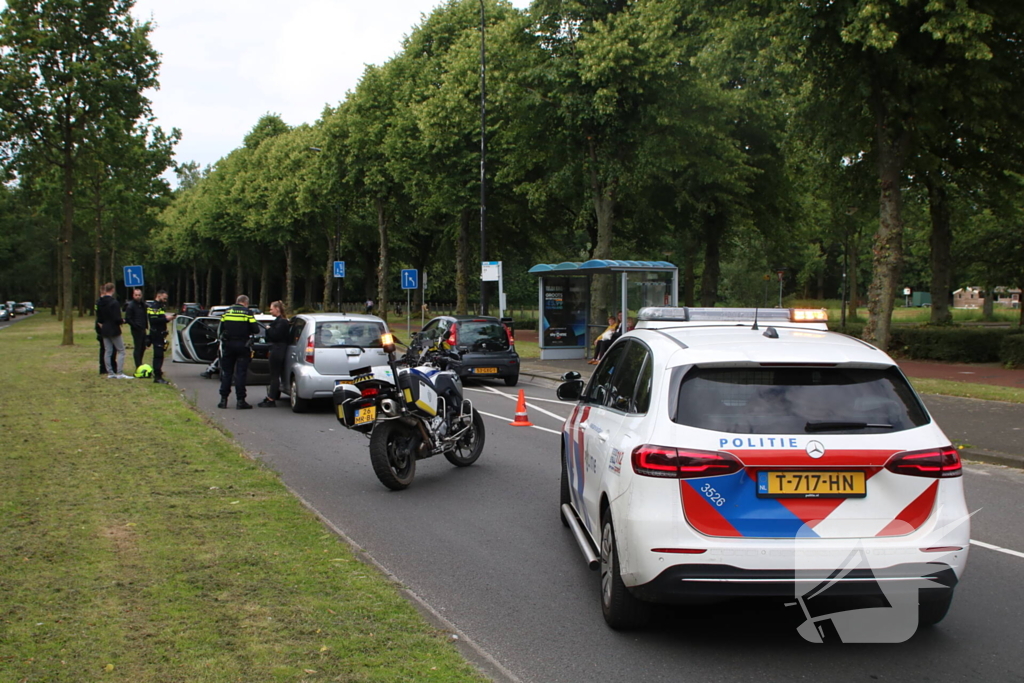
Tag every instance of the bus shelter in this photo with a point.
(564, 299)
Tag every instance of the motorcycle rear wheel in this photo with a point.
(393, 454)
(469, 447)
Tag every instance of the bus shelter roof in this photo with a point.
(601, 266)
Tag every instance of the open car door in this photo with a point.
(179, 354)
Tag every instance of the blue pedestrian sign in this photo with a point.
(133, 276)
(339, 269)
(410, 278)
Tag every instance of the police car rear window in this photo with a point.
(759, 400)
(342, 334)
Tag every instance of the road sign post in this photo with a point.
(339, 273)
(490, 271)
(410, 281)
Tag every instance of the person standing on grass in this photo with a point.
(158, 319)
(237, 325)
(136, 316)
(277, 334)
(99, 336)
(108, 317)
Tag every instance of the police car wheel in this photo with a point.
(299, 405)
(622, 611)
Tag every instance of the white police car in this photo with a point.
(714, 456)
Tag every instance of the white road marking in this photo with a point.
(537, 408)
(980, 544)
(508, 419)
(532, 398)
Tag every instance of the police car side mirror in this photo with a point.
(571, 390)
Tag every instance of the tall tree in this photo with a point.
(71, 71)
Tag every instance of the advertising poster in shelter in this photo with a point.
(564, 324)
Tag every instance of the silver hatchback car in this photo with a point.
(323, 351)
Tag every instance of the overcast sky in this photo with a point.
(227, 62)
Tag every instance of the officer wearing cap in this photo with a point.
(158, 319)
(237, 325)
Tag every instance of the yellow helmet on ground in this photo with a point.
(144, 371)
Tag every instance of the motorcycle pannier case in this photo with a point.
(419, 393)
(353, 410)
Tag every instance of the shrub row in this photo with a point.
(951, 344)
(1011, 351)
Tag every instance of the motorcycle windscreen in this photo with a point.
(200, 339)
(179, 353)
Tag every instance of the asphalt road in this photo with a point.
(483, 546)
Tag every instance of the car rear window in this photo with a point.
(759, 400)
(482, 335)
(341, 334)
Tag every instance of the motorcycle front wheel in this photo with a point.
(393, 454)
(469, 447)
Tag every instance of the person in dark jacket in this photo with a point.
(108, 317)
(137, 318)
(158, 319)
(277, 334)
(237, 325)
(99, 337)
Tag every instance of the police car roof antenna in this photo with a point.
(755, 327)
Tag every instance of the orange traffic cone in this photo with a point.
(521, 418)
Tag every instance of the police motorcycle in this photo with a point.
(411, 409)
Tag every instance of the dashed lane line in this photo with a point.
(531, 407)
(508, 419)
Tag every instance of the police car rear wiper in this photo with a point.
(838, 426)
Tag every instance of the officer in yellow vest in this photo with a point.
(158, 319)
(237, 325)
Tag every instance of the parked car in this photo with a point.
(218, 311)
(5, 314)
(10, 308)
(19, 309)
(324, 350)
(194, 340)
(193, 310)
(29, 306)
(712, 458)
(484, 346)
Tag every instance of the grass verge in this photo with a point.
(138, 543)
(988, 392)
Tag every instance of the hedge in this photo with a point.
(1011, 351)
(949, 344)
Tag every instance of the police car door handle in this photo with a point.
(603, 436)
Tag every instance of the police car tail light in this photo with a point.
(675, 463)
(310, 349)
(936, 463)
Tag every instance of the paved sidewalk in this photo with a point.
(989, 431)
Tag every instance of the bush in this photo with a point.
(854, 329)
(525, 323)
(1011, 351)
(949, 344)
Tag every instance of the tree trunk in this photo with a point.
(892, 141)
(239, 274)
(97, 265)
(311, 279)
(66, 235)
(462, 265)
(195, 283)
(223, 287)
(209, 287)
(383, 266)
(853, 283)
(714, 227)
(941, 243)
(602, 195)
(289, 277)
(329, 283)
(689, 279)
(177, 287)
(264, 277)
(988, 303)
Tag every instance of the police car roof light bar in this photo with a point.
(735, 315)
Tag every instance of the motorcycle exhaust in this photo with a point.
(389, 407)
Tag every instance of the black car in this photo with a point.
(483, 346)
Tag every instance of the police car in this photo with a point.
(721, 453)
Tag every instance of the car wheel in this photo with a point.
(299, 405)
(512, 381)
(621, 609)
(931, 611)
(469, 447)
(564, 496)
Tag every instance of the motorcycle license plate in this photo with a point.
(364, 415)
(485, 371)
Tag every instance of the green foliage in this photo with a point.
(1011, 350)
(949, 344)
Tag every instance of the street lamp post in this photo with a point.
(483, 158)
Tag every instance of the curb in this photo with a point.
(993, 457)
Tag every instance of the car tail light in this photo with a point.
(936, 463)
(680, 551)
(508, 332)
(310, 349)
(675, 463)
(453, 338)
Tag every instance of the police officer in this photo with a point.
(277, 334)
(135, 315)
(237, 325)
(158, 319)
